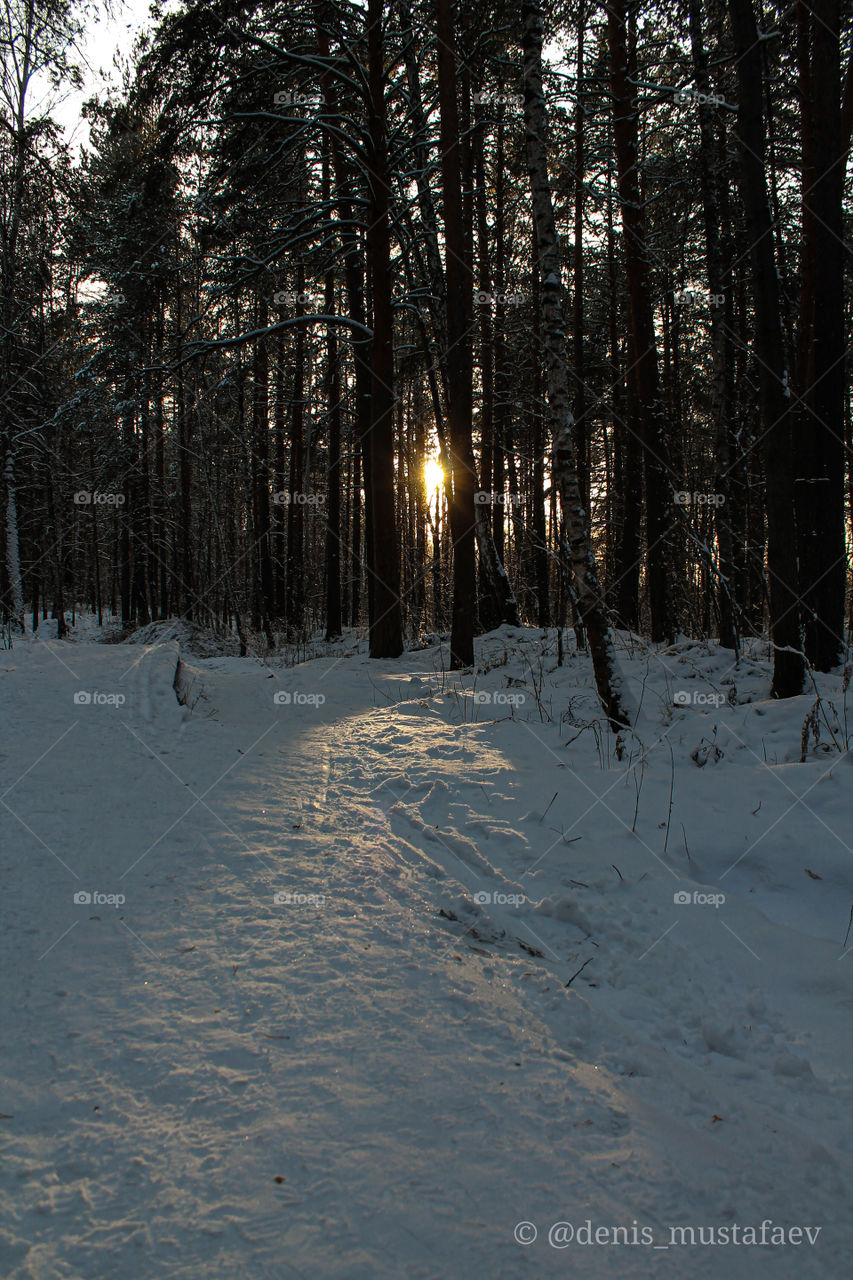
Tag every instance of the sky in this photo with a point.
(108, 39)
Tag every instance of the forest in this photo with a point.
(426, 504)
(423, 318)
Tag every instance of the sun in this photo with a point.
(433, 474)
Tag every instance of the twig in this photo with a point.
(639, 787)
(580, 970)
(553, 798)
(671, 787)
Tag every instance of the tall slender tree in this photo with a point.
(577, 542)
(773, 373)
(650, 421)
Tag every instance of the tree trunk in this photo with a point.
(819, 424)
(185, 592)
(361, 352)
(591, 606)
(333, 501)
(719, 284)
(264, 587)
(650, 412)
(13, 556)
(279, 519)
(773, 378)
(295, 509)
(497, 600)
(581, 433)
(459, 291)
(386, 623)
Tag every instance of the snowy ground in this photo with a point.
(477, 1001)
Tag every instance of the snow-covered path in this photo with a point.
(375, 1075)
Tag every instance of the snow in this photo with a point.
(477, 1002)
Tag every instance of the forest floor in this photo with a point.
(388, 976)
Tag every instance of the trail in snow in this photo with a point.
(384, 1071)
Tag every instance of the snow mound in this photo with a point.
(194, 640)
